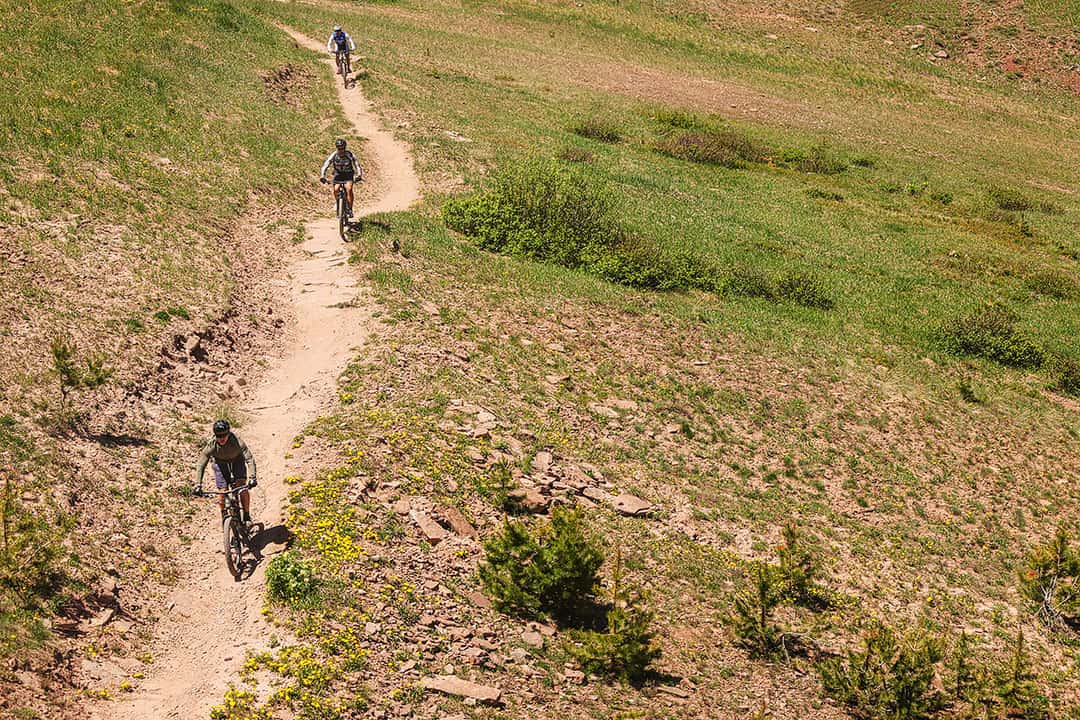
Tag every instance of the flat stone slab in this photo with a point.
(453, 685)
(432, 531)
(458, 523)
(628, 504)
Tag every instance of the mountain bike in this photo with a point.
(343, 67)
(342, 209)
(236, 536)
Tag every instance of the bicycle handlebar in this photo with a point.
(237, 489)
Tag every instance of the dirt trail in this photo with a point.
(212, 620)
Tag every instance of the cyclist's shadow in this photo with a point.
(263, 538)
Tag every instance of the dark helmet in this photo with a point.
(339, 144)
(221, 427)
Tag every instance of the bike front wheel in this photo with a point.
(234, 546)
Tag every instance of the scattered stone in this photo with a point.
(458, 523)
(532, 639)
(519, 654)
(557, 379)
(574, 677)
(529, 500)
(595, 493)
(403, 506)
(628, 405)
(603, 410)
(628, 504)
(941, 54)
(372, 628)
(432, 531)
(542, 461)
(673, 691)
(478, 599)
(452, 685)
(407, 666)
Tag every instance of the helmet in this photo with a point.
(340, 144)
(337, 28)
(221, 427)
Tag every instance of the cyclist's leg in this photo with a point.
(349, 192)
(239, 472)
(222, 475)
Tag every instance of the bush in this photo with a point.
(540, 210)
(1015, 688)
(575, 155)
(625, 650)
(73, 377)
(1054, 284)
(888, 678)
(289, 579)
(991, 333)
(1067, 375)
(550, 570)
(803, 288)
(798, 571)
(596, 128)
(1050, 580)
(1009, 199)
(763, 591)
(821, 161)
(726, 148)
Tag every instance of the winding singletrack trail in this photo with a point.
(201, 642)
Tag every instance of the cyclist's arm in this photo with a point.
(248, 458)
(329, 159)
(352, 45)
(356, 168)
(200, 467)
(330, 44)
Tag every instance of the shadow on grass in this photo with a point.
(110, 440)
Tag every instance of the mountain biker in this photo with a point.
(231, 458)
(346, 169)
(339, 42)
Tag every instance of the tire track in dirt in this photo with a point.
(213, 620)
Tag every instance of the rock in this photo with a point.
(407, 666)
(941, 54)
(372, 628)
(478, 599)
(542, 461)
(557, 379)
(673, 691)
(532, 639)
(628, 405)
(574, 677)
(529, 500)
(432, 531)
(603, 410)
(519, 655)
(458, 523)
(403, 506)
(595, 493)
(452, 685)
(628, 504)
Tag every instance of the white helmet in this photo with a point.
(337, 28)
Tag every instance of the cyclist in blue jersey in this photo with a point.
(339, 43)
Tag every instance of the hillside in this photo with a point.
(751, 266)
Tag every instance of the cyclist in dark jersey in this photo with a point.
(231, 460)
(346, 169)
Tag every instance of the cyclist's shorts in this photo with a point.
(229, 472)
(344, 176)
(343, 49)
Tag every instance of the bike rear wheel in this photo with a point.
(234, 546)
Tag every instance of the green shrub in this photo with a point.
(1054, 284)
(820, 194)
(625, 649)
(726, 148)
(91, 374)
(290, 580)
(1050, 580)
(1015, 688)
(681, 119)
(1009, 199)
(803, 288)
(541, 210)
(864, 162)
(968, 393)
(1066, 375)
(551, 569)
(798, 571)
(990, 332)
(763, 591)
(575, 155)
(750, 282)
(888, 678)
(820, 160)
(597, 128)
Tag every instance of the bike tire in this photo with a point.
(343, 221)
(234, 547)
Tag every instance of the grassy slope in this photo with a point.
(133, 135)
(848, 420)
